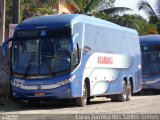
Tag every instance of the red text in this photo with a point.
(105, 60)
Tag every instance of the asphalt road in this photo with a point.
(146, 104)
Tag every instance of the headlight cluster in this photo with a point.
(17, 82)
(20, 83)
(67, 80)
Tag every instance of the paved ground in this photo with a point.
(146, 103)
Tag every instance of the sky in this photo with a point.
(133, 5)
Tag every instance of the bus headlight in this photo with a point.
(17, 83)
(67, 80)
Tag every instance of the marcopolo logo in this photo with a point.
(39, 87)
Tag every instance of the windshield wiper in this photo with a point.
(29, 65)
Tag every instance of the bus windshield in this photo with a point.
(41, 56)
(151, 61)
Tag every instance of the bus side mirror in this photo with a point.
(4, 46)
(86, 50)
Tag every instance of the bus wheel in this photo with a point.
(82, 101)
(123, 96)
(129, 91)
(114, 98)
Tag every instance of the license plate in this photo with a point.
(39, 94)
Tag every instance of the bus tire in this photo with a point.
(129, 91)
(122, 97)
(114, 98)
(82, 101)
(88, 100)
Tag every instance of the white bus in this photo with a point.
(74, 56)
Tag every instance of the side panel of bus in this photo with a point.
(113, 55)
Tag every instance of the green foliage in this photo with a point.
(116, 10)
(86, 6)
(89, 6)
(100, 15)
(31, 8)
(8, 13)
(140, 24)
(153, 13)
(147, 8)
(153, 19)
(136, 22)
(131, 21)
(144, 28)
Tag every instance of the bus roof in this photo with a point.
(150, 39)
(62, 20)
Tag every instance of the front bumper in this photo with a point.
(61, 92)
(150, 85)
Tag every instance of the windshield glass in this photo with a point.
(151, 62)
(41, 56)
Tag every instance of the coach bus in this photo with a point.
(74, 57)
(150, 47)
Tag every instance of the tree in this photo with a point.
(8, 14)
(116, 10)
(93, 6)
(30, 8)
(153, 13)
(87, 6)
(147, 8)
(135, 22)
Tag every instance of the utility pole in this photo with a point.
(16, 11)
(2, 19)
